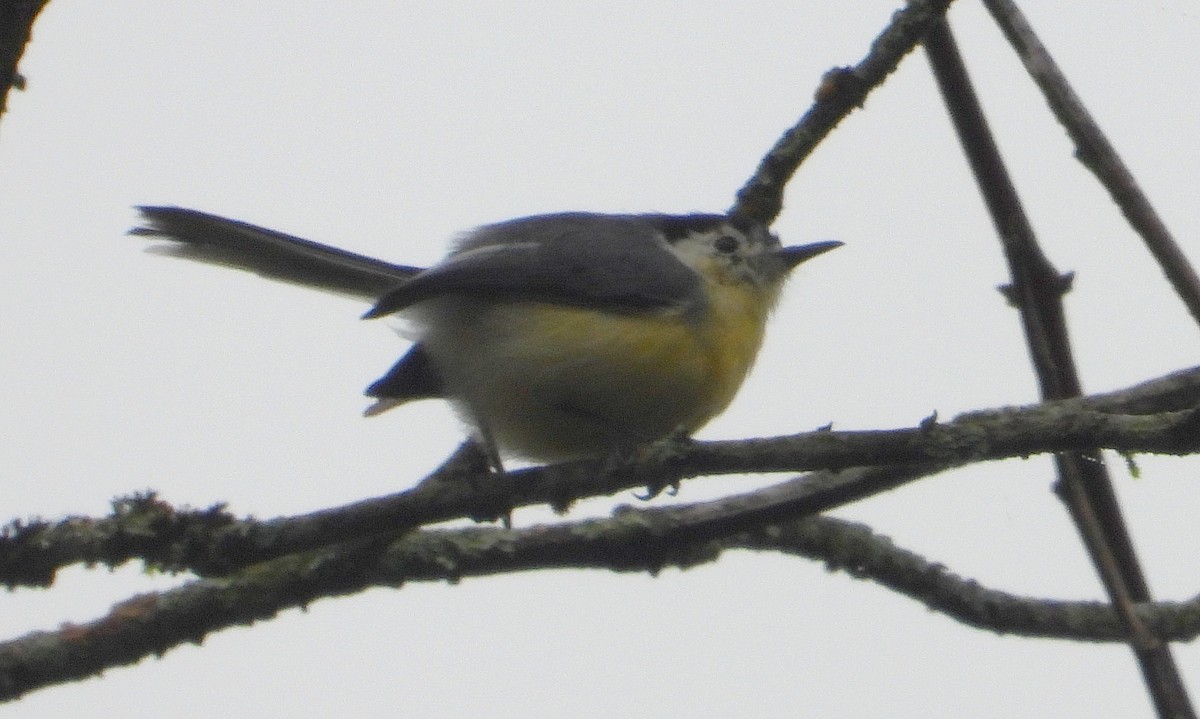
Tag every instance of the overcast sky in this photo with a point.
(387, 128)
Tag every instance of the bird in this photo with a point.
(555, 337)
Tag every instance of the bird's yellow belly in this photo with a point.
(552, 382)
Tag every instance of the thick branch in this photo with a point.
(16, 24)
(213, 542)
(646, 540)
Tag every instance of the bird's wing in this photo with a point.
(617, 263)
(275, 255)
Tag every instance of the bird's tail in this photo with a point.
(220, 241)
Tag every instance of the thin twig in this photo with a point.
(1036, 291)
(1097, 154)
(842, 90)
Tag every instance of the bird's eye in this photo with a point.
(726, 244)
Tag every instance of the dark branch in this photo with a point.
(646, 540)
(1036, 291)
(841, 91)
(16, 23)
(212, 542)
(1097, 154)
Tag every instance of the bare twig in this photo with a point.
(1097, 154)
(841, 91)
(647, 540)
(215, 543)
(1036, 291)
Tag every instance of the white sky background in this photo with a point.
(388, 127)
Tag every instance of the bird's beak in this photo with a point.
(793, 256)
